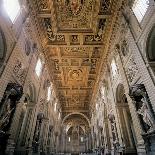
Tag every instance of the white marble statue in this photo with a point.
(145, 112)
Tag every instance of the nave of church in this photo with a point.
(77, 77)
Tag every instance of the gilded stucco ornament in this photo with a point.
(76, 34)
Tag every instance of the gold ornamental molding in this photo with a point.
(75, 36)
(118, 8)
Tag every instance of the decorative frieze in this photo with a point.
(131, 70)
(20, 71)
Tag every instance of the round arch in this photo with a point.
(119, 92)
(77, 113)
(125, 119)
(73, 126)
(150, 45)
(32, 91)
(150, 48)
(3, 46)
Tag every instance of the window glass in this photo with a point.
(96, 106)
(69, 139)
(48, 93)
(38, 67)
(55, 106)
(139, 8)
(12, 8)
(113, 67)
(81, 139)
(59, 116)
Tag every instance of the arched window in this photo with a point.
(12, 8)
(81, 139)
(38, 68)
(48, 93)
(114, 68)
(55, 106)
(69, 139)
(97, 106)
(139, 8)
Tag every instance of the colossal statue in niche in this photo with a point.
(8, 105)
(115, 141)
(144, 111)
(143, 107)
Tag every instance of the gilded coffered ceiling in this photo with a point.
(75, 35)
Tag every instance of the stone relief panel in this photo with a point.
(124, 48)
(131, 70)
(28, 47)
(20, 71)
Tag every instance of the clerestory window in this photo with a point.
(139, 8)
(48, 93)
(38, 68)
(12, 8)
(55, 106)
(113, 67)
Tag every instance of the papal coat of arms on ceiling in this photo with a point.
(75, 6)
(74, 14)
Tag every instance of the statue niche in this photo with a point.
(143, 107)
(35, 143)
(111, 118)
(8, 104)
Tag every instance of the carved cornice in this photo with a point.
(110, 34)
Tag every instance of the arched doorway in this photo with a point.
(125, 120)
